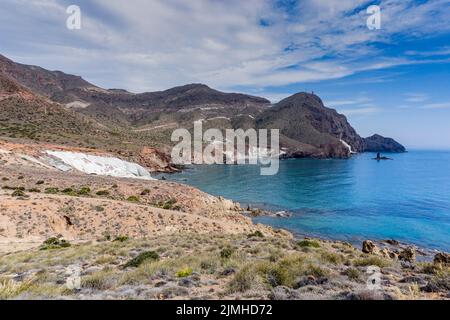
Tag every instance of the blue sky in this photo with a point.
(394, 81)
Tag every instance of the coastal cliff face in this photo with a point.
(309, 129)
(131, 125)
(377, 143)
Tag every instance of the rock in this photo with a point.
(369, 247)
(408, 254)
(377, 143)
(310, 281)
(389, 254)
(442, 257)
(228, 271)
(187, 282)
(392, 242)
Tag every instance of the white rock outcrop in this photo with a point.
(100, 165)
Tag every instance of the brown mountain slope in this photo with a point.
(308, 128)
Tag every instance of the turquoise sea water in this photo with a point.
(407, 199)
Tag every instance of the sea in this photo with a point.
(406, 198)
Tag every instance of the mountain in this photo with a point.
(80, 113)
(377, 143)
(25, 114)
(309, 129)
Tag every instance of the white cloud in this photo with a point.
(416, 97)
(149, 45)
(444, 105)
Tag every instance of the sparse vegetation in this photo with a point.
(103, 193)
(256, 234)
(371, 261)
(141, 258)
(133, 199)
(183, 273)
(54, 243)
(121, 239)
(308, 244)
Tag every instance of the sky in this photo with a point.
(394, 80)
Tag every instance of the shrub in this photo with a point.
(10, 288)
(121, 239)
(308, 244)
(133, 199)
(352, 273)
(102, 193)
(54, 243)
(183, 273)
(141, 258)
(431, 268)
(35, 190)
(331, 257)
(243, 280)
(371, 261)
(145, 192)
(226, 253)
(84, 191)
(18, 193)
(97, 281)
(51, 190)
(316, 271)
(68, 191)
(40, 182)
(256, 234)
(5, 179)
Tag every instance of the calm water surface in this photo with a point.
(407, 199)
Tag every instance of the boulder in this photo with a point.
(442, 257)
(369, 247)
(389, 254)
(408, 254)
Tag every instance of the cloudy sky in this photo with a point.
(394, 81)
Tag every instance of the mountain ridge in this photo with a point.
(308, 128)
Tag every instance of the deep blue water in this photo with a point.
(407, 199)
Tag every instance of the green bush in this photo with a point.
(308, 244)
(141, 258)
(183, 273)
(353, 273)
(121, 239)
(54, 243)
(256, 234)
(84, 191)
(371, 261)
(133, 199)
(102, 193)
(68, 191)
(226, 253)
(51, 190)
(331, 257)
